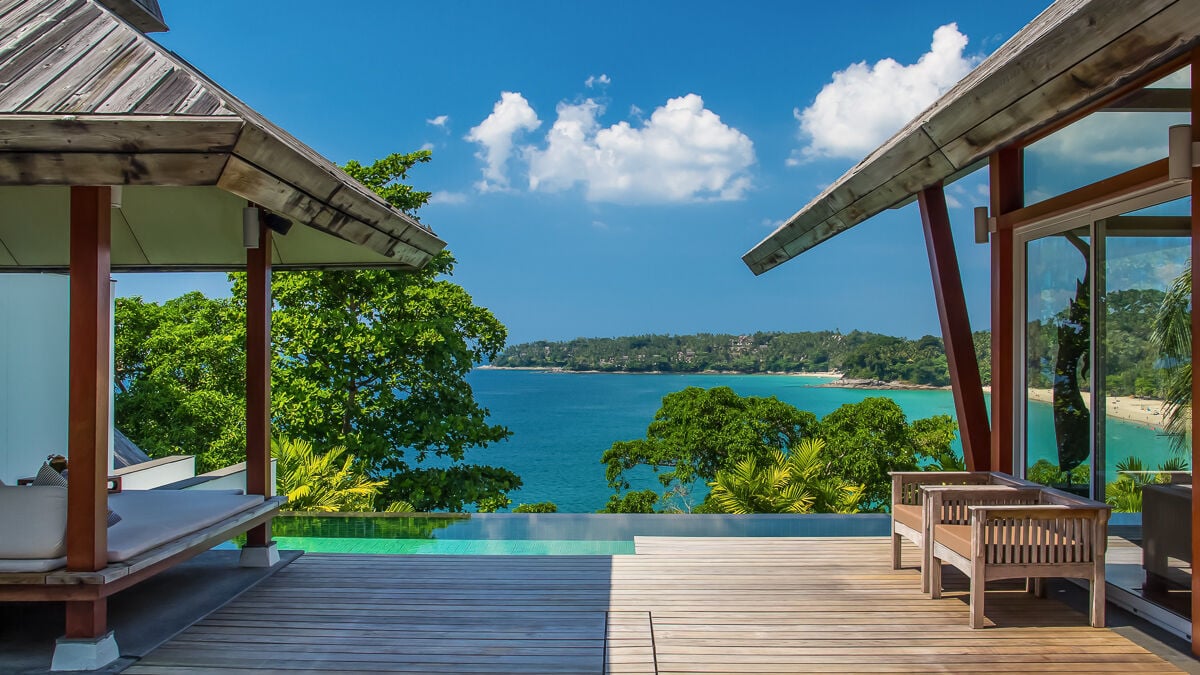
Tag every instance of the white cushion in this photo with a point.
(33, 522)
(33, 564)
(150, 518)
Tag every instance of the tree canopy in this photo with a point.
(371, 360)
(703, 434)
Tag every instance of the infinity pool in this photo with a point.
(544, 533)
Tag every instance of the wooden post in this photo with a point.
(258, 377)
(88, 400)
(956, 329)
(1006, 174)
(1195, 524)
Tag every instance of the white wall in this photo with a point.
(156, 472)
(34, 350)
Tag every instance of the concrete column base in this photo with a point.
(84, 653)
(259, 556)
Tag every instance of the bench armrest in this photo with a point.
(906, 484)
(951, 504)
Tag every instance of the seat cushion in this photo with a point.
(957, 538)
(150, 518)
(32, 564)
(33, 522)
(909, 514)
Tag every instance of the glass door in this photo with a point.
(1058, 360)
(1106, 366)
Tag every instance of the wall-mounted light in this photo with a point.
(250, 226)
(981, 225)
(114, 196)
(1183, 154)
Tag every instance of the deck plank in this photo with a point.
(812, 605)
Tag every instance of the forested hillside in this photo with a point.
(1132, 366)
(857, 354)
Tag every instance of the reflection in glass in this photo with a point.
(1125, 136)
(1058, 360)
(1145, 302)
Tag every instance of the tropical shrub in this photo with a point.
(1125, 493)
(329, 482)
(794, 482)
(537, 507)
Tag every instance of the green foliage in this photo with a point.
(453, 488)
(640, 501)
(180, 377)
(372, 360)
(870, 438)
(931, 438)
(857, 354)
(537, 507)
(698, 431)
(1125, 493)
(1172, 339)
(794, 482)
(1046, 473)
(329, 481)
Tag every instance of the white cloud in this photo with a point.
(427, 146)
(1106, 139)
(866, 104)
(439, 121)
(446, 197)
(593, 80)
(684, 152)
(510, 116)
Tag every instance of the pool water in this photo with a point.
(544, 533)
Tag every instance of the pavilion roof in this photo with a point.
(86, 98)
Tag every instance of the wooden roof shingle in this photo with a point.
(86, 98)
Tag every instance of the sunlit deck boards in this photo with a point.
(679, 606)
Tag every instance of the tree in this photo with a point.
(794, 482)
(372, 360)
(1172, 339)
(868, 439)
(537, 507)
(698, 431)
(180, 378)
(640, 501)
(330, 481)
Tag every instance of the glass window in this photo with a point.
(1108, 142)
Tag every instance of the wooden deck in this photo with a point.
(679, 606)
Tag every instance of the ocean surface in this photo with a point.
(563, 422)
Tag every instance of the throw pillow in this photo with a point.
(48, 476)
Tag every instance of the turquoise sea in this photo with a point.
(563, 422)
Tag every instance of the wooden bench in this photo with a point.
(1052, 535)
(908, 511)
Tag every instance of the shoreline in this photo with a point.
(564, 371)
(1146, 412)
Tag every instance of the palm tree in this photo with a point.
(330, 482)
(795, 482)
(1172, 336)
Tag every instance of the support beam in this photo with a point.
(1007, 179)
(956, 329)
(258, 377)
(88, 399)
(1195, 524)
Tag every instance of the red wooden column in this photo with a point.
(1195, 332)
(1006, 176)
(89, 400)
(258, 377)
(956, 329)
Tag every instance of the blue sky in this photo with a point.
(599, 169)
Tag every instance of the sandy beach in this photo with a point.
(1145, 411)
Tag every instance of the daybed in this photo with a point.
(157, 528)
